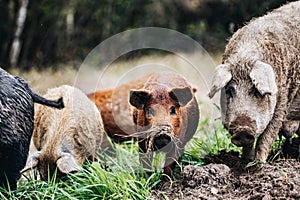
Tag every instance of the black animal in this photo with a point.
(16, 125)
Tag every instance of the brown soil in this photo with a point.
(225, 177)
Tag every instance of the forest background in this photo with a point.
(41, 34)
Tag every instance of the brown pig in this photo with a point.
(65, 138)
(159, 110)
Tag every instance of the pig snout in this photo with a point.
(244, 137)
(159, 137)
(242, 131)
(161, 141)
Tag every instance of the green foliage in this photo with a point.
(120, 177)
(116, 183)
(210, 139)
(34, 189)
(45, 39)
(276, 149)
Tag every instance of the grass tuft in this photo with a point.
(210, 139)
(121, 177)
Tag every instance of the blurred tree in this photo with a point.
(61, 31)
(44, 34)
(9, 10)
(16, 45)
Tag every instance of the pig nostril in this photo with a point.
(249, 137)
(236, 140)
(161, 141)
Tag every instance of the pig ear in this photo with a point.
(182, 95)
(67, 164)
(263, 77)
(138, 98)
(32, 162)
(221, 77)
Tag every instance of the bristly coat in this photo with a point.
(259, 78)
(16, 125)
(65, 138)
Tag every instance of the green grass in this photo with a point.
(94, 182)
(210, 139)
(121, 176)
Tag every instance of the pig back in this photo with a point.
(115, 109)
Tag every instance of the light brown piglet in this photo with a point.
(65, 138)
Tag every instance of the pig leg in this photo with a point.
(266, 139)
(288, 129)
(294, 109)
(171, 158)
(263, 146)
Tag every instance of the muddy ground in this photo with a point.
(225, 177)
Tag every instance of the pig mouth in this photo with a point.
(158, 142)
(47, 173)
(53, 173)
(159, 138)
(243, 137)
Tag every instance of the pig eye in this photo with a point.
(230, 91)
(150, 112)
(77, 140)
(172, 111)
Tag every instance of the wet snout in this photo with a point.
(160, 137)
(161, 141)
(242, 131)
(244, 137)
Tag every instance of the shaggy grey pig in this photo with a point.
(65, 138)
(16, 125)
(259, 79)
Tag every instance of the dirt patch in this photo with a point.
(225, 178)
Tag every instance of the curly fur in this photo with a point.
(273, 39)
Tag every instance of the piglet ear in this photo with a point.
(32, 162)
(67, 164)
(221, 77)
(263, 78)
(138, 98)
(182, 95)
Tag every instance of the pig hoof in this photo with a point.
(255, 165)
